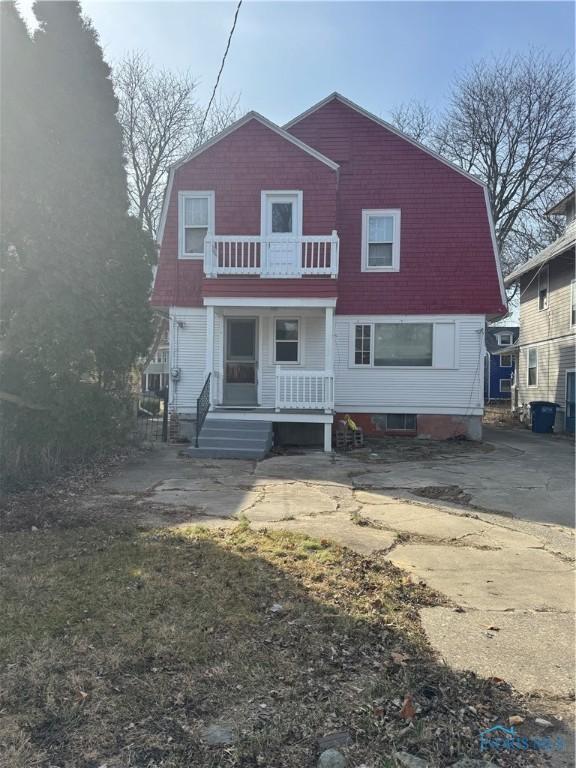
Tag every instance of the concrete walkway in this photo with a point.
(508, 582)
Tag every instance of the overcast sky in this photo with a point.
(287, 55)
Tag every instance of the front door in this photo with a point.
(570, 400)
(240, 362)
(282, 229)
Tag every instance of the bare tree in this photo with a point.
(161, 118)
(416, 119)
(510, 121)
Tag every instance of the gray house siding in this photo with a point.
(549, 331)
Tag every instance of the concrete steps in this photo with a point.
(233, 439)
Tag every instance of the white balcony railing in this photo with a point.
(304, 389)
(271, 257)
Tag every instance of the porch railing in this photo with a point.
(304, 389)
(270, 257)
(202, 408)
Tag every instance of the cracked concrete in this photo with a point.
(499, 569)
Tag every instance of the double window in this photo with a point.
(532, 360)
(286, 341)
(394, 344)
(196, 221)
(381, 240)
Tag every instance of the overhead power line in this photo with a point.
(201, 133)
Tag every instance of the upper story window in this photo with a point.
(196, 220)
(381, 240)
(504, 339)
(506, 361)
(573, 302)
(543, 286)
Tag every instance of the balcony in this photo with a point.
(236, 255)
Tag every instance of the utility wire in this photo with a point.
(201, 132)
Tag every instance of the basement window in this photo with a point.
(401, 422)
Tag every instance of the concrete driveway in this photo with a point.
(506, 573)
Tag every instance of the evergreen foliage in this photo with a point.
(75, 266)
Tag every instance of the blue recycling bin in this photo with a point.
(543, 415)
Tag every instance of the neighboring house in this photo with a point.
(499, 365)
(332, 266)
(156, 375)
(546, 362)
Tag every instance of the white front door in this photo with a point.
(282, 228)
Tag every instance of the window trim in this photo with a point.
(505, 391)
(265, 195)
(528, 366)
(544, 271)
(182, 197)
(298, 320)
(351, 346)
(370, 351)
(502, 365)
(396, 215)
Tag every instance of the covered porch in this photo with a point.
(270, 359)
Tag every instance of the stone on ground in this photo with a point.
(331, 758)
(219, 734)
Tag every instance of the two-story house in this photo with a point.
(499, 362)
(546, 357)
(333, 266)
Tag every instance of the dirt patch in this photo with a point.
(451, 493)
(395, 449)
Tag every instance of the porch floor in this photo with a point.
(311, 415)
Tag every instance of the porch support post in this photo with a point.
(327, 438)
(210, 349)
(329, 358)
(329, 339)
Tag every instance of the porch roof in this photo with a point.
(269, 301)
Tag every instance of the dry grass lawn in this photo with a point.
(119, 646)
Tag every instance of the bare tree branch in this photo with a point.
(161, 119)
(510, 122)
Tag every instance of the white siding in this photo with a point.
(187, 352)
(458, 342)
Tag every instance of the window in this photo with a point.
(281, 217)
(401, 422)
(506, 361)
(287, 345)
(196, 216)
(504, 339)
(543, 284)
(381, 241)
(362, 337)
(573, 302)
(505, 385)
(403, 344)
(532, 355)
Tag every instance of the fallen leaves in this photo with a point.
(408, 712)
